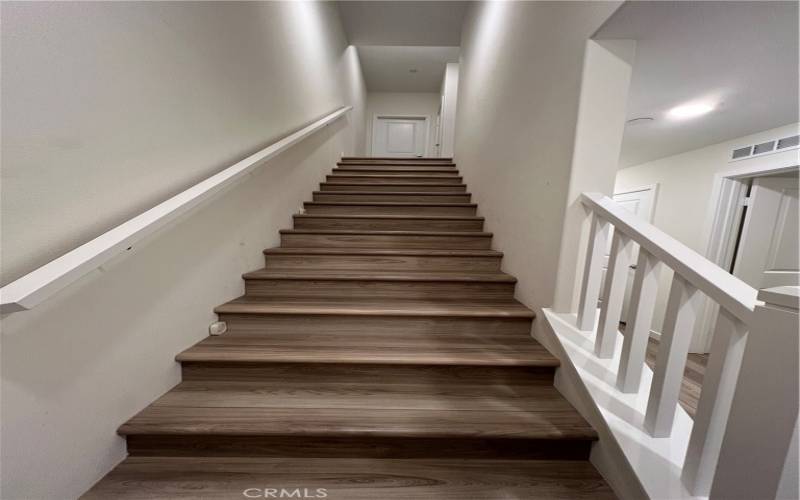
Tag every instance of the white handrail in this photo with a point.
(40, 284)
(729, 291)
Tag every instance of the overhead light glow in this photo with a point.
(690, 110)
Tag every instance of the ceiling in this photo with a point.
(741, 56)
(387, 68)
(436, 24)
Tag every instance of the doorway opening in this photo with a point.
(753, 228)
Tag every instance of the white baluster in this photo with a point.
(637, 331)
(754, 459)
(719, 385)
(682, 311)
(613, 294)
(592, 273)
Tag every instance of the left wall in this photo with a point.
(108, 109)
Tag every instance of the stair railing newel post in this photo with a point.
(744, 437)
(758, 445)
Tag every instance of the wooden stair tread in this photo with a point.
(362, 422)
(388, 396)
(372, 340)
(364, 370)
(402, 158)
(363, 347)
(366, 275)
(399, 176)
(390, 204)
(479, 356)
(388, 233)
(405, 184)
(395, 168)
(217, 478)
(367, 343)
(382, 251)
(248, 409)
(388, 216)
(395, 159)
(392, 193)
(375, 307)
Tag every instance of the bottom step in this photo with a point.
(349, 479)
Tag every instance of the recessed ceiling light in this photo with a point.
(690, 110)
(412, 70)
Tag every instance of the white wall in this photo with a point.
(449, 99)
(404, 103)
(109, 108)
(684, 186)
(602, 113)
(518, 95)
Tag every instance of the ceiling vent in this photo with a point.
(789, 142)
(742, 152)
(765, 148)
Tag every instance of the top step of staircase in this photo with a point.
(393, 158)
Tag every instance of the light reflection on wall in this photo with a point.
(490, 19)
(309, 41)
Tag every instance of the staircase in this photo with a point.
(379, 354)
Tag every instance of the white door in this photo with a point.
(400, 137)
(640, 201)
(767, 253)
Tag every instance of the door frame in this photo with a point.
(378, 116)
(647, 187)
(723, 218)
(653, 188)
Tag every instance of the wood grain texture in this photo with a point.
(386, 170)
(175, 445)
(356, 373)
(351, 479)
(397, 167)
(302, 238)
(390, 222)
(389, 208)
(407, 196)
(364, 394)
(382, 259)
(353, 283)
(335, 306)
(443, 355)
(379, 354)
(692, 382)
(394, 187)
(364, 422)
(375, 179)
(278, 320)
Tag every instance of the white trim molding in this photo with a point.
(37, 286)
(637, 408)
(725, 209)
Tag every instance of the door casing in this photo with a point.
(377, 117)
(723, 219)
